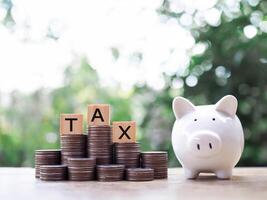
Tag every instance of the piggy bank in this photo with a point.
(207, 138)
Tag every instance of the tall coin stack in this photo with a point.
(157, 160)
(46, 157)
(100, 143)
(73, 146)
(127, 154)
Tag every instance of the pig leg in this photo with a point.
(190, 173)
(224, 174)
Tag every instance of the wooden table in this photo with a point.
(247, 183)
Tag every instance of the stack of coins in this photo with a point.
(46, 157)
(157, 160)
(100, 143)
(139, 174)
(110, 172)
(81, 169)
(53, 172)
(72, 146)
(127, 154)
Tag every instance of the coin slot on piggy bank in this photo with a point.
(98, 114)
(71, 124)
(124, 132)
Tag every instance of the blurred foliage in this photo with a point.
(32, 120)
(230, 64)
(233, 64)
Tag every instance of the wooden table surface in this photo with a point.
(247, 183)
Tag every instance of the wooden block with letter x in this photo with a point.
(98, 114)
(71, 124)
(124, 132)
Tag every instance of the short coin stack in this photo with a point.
(139, 174)
(127, 154)
(157, 160)
(100, 143)
(81, 169)
(73, 146)
(46, 157)
(53, 172)
(110, 172)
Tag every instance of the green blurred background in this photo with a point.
(234, 61)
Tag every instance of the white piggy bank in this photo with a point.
(207, 138)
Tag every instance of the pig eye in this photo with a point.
(213, 119)
(195, 120)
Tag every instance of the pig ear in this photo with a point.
(227, 105)
(181, 106)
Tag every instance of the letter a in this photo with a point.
(97, 114)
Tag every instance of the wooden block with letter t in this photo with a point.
(98, 114)
(71, 124)
(124, 132)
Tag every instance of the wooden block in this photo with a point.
(98, 114)
(71, 124)
(124, 132)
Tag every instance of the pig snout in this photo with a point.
(204, 144)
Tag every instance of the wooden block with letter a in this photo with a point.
(71, 124)
(124, 132)
(98, 114)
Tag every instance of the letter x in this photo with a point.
(124, 132)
